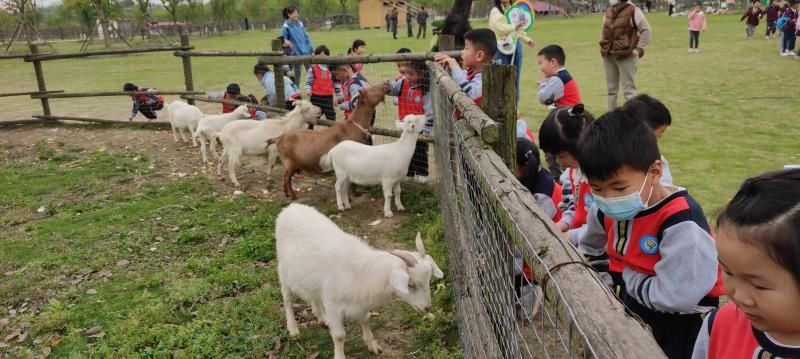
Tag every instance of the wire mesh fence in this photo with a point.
(17, 77)
(500, 267)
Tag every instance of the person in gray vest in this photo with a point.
(624, 37)
(410, 22)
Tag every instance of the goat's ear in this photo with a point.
(398, 279)
(420, 246)
(437, 273)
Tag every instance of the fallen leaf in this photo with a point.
(55, 341)
(11, 336)
(174, 229)
(160, 238)
(3, 345)
(238, 193)
(91, 291)
(21, 338)
(123, 263)
(38, 340)
(105, 273)
(376, 222)
(93, 330)
(98, 335)
(46, 351)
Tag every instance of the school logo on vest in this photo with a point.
(588, 199)
(649, 244)
(417, 99)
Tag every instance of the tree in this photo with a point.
(83, 11)
(172, 8)
(343, 3)
(143, 17)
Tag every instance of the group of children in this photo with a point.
(649, 239)
(781, 19)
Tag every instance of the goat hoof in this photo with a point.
(388, 214)
(294, 332)
(401, 208)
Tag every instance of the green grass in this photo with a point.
(164, 267)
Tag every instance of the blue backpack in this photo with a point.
(782, 22)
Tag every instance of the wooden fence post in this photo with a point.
(187, 67)
(447, 42)
(499, 102)
(277, 45)
(37, 68)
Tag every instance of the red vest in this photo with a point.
(571, 95)
(323, 82)
(583, 200)
(346, 91)
(411, 101)
(227, 107)
(635, 244)
(733, 337)
(556, 196)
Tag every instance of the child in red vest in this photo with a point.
(758, 240)
(657, 238)
(350, 82)
(559, 136)
(231, 93)
(358, 49)
(480, 45)
(145, 101)
(320, 84)
(414, 98)
(558, 87)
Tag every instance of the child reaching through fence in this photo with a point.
(758, 241)
(656, 238)
(145, 101)
(350, 82)
(414, 98)
(559, 136)
(479, 49)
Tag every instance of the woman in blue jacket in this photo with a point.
(295, 38)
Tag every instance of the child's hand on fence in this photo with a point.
(445, 60)
(562, 226)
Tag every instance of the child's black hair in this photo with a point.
(562, 129)
(260, 68)
(484, 40)
(333, 67)
(646, 108)
(613, 141)
(766, 213)
(403, 50)
(233, 89)
(288, 10)
(248, 98)
(554, 52)
(128, 87)
(529, 163)
(322, 49)
(422, 68)
(356, 44)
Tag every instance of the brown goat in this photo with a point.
(301, 149)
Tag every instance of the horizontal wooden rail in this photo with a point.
(227, 53)
(22, 121)
(48, 57)
(28, 93)
(472, 113)
(17, 56)
(373, 130)
(103, 120)
(114, 93)
(367, 59)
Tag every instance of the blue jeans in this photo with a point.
(517, 62)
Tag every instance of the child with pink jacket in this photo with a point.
(697, 23)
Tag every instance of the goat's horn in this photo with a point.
(407, 258)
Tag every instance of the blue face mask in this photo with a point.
(623, 208)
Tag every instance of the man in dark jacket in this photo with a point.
(410, 22)
(422, 20)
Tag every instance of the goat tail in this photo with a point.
(273, 140)
(326, 163)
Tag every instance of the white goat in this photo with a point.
(210, 125)
(342, 277)
(182, 117)
(250, 137)
(371, 165)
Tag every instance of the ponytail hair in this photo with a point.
(562, 129)
(766, 213)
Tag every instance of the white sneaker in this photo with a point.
(785, 53)
(696, 50)
(421, 179)
(691, 51)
